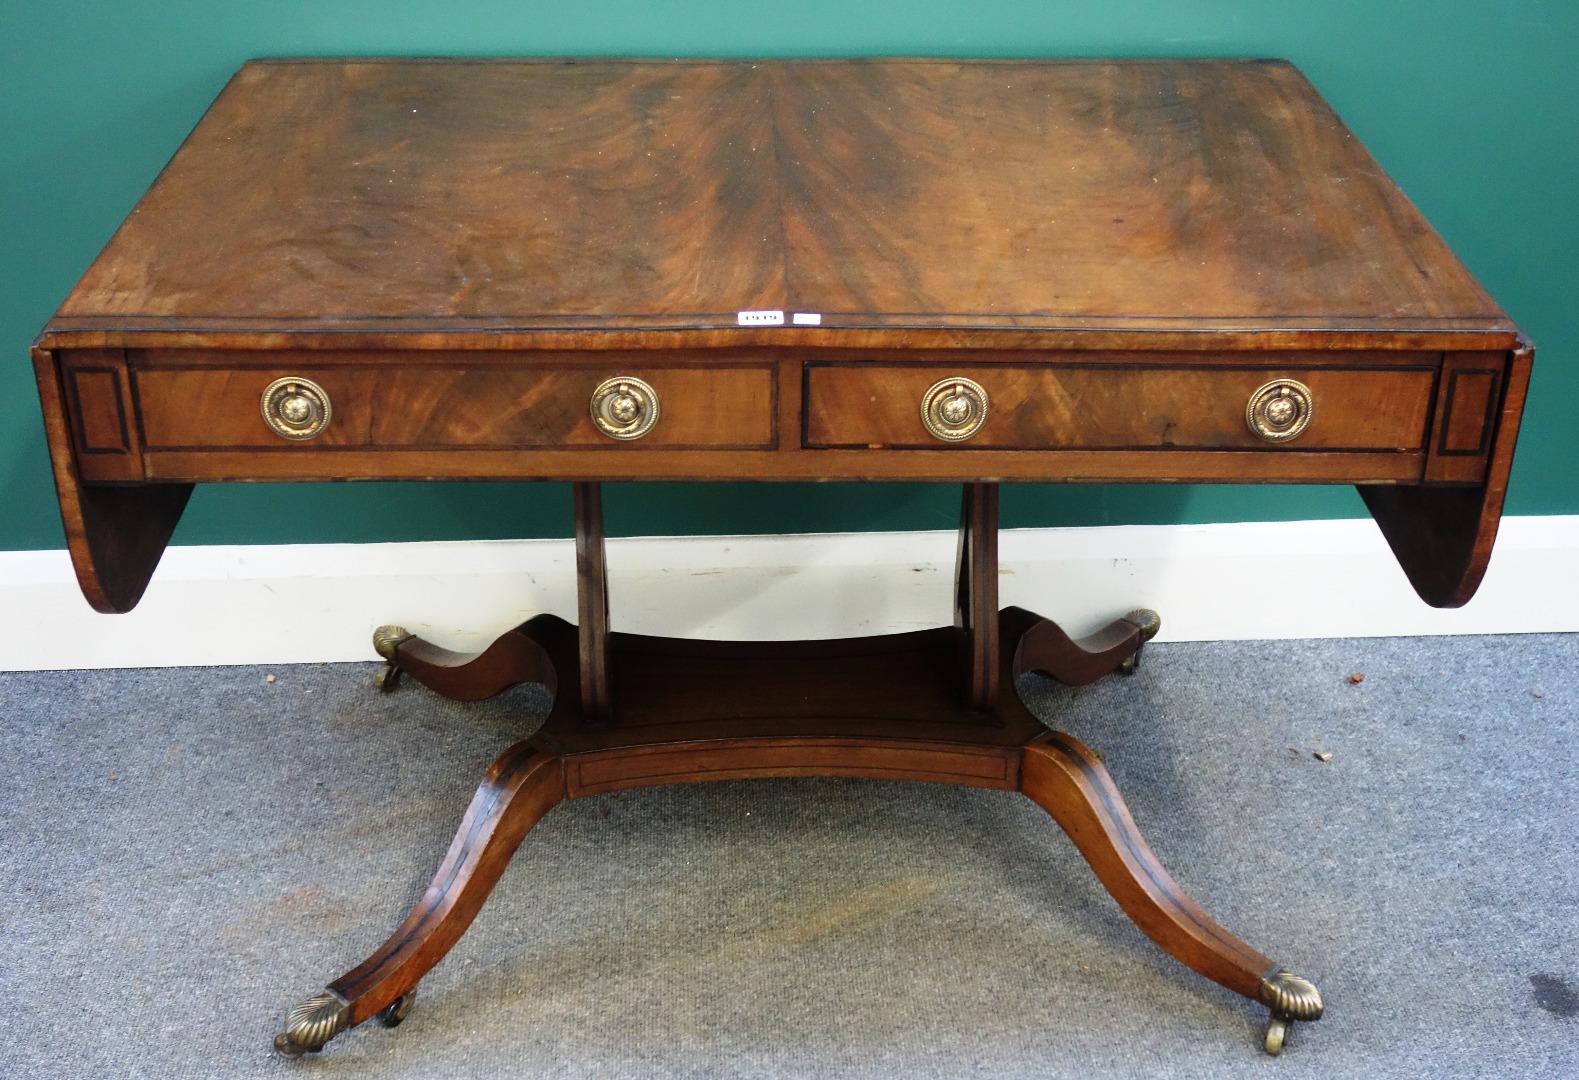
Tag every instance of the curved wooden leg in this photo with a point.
(521, 786)
(1045, 648)
(517, 656)
(1065, 778)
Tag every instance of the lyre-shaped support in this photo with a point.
(592, 605)
(976, 594)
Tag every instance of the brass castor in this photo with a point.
(312, 1024)
(1149, 623)
(386, 642)
(396, 1011)
(1290, 998)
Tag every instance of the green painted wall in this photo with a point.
(1473, 107)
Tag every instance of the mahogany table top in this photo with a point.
(1129, 201)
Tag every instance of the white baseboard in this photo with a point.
(312, 603)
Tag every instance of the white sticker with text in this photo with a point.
(760, 318)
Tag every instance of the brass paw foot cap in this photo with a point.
(1290, 998)
(1147, 620)
(312, 1024)
(386, 639)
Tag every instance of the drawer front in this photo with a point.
(1113, 407)
(406, 406)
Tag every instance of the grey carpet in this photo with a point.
(190, 852)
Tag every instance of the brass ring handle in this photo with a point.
(1280, 410)
(954, 409)
(296, 408)
(624, 407)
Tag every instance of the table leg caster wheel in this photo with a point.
(312, 1024)
(1149, 622)
(388, 679)
(396, 1011)
(1276, 1032)
(1290, 998)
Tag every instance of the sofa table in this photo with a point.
(963, 271)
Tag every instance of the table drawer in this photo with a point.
(408, 405)
(1072, 406)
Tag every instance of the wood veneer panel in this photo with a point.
(1282, 466)
(361, 188)
(1174, 188)
(837, 331)
(612, 770)
(1466, 417)
(116, 534)
(1443, 536)
(98, 410)
(96, 392)
(1068, 406)
(594, 196)
(437, 407)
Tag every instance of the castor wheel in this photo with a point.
(1290, 998)
(1148, 622)
(388, 679)
(1277, 1030)
(396, 1011)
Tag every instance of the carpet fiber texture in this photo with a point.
(188, 853)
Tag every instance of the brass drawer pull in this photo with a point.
(1280, 410)
(296, 408)
(954, 409)
(624, 408)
